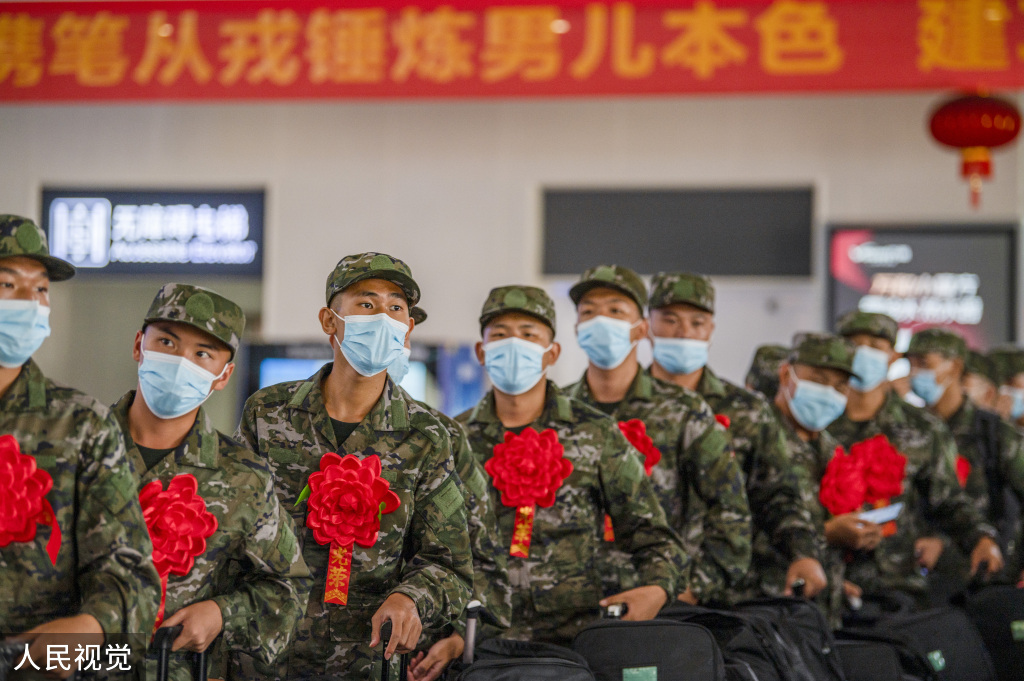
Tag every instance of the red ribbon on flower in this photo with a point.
(843, 486)
(724, 420)
(347, 499)
(635, 431)
(23, 504)
(963, 470)
(527, 469)
(179, 525)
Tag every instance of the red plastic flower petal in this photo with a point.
(963, 470)
(636, 432)
(23, 489)
(347, 499)
(843, 486)
(529, 468)
(884, 468)
(178, 523)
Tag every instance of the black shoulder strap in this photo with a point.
(986, 431)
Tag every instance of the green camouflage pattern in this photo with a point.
(812, 456)
(103, 568)
(930, 488)
(527, 299)
(353, 268)
(978, 364)
(614, 277)
(823, 350)
(698, 482)
(423, 550)
(418, 315)
(1010, 466)
(946, 343)
(555, 592)
(21, 237)
(668, 288)
(200, 308)
(490, 564)
(786, 527)
(1009, 361)
(763, 375)
(252, 567)
(871, 323)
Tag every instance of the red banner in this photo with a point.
(190, 50)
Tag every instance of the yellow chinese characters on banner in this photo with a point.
(280, 49)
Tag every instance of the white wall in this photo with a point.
(454, 187)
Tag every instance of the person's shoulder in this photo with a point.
(745, 399)
(423, 419)
(238, 454)
(278, 394)
(63, 399)
(677, 397)
(920, 417)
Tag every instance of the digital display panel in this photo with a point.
(960, 277)
(114, 231)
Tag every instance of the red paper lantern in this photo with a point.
(975, 124)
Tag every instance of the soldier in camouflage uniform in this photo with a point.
(419, 572)
(763, 375)
(103, 580)
(697, 480)
(1009, 363)
(251, 582)
(490, 573)
(981, 380)
(930, 487)
(682, 308)
(556, 589)
(992, 448)
(828, 361)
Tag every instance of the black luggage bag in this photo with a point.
(804, 626)
(998, 613)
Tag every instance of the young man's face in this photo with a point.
(680, 320)
(832, 378)
(24, 279)
(875, 342)
(980, 390)
(523, 326)
(184, 340)
(947, 369)
(607, 302)
(367, 297)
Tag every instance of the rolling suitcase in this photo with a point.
(161, 645)
(998, 613)
(869, 661)
(660, 649)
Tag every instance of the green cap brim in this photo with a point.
(579, 290)
(56, 269)
(406, 283)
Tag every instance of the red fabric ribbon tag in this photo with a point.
(724, 420)
(347, 499)
(179, 525)
(23, 498)
(963, 470)
(527, 469)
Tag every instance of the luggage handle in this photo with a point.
(475, 612)
(385, 666)
(615, 611)
(162, 641)
(798, 586)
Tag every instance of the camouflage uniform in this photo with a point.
(812, 457)
(423, 549)
(698, 479)
(931, 496)
(252, 567)
(556, 590)
(103, 567)
(784, 527)
(763, 375)
(977, 363)
(965, 428)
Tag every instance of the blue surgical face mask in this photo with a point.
(1017, 407)
(399, 369)
(924, 385)
(870, 368)
(24, 325)
(514, 365)
(680, 355)
(606, 340)
(813, 405)
(173, 386)
(371, 342)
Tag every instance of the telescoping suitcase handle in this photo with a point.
(163, 639)
(385, 666)
(475, 612)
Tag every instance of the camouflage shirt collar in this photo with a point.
(710, 384)
(390, 413)
(557, 407)
(198, 449)
(28, 392)
(640, 388)
(963, 420)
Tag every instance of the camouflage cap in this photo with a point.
(942, 341)
(977, 363)
(21, 237)
(823, 350)
(529, 299)
(1001, 359)
(1010, 363)
(871, 323)
(353, 268)
(763, 375)
(418, 314)
(682, 287)
(202, 308)
(611, 276)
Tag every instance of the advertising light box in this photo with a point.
(156, 232)
(959, 277)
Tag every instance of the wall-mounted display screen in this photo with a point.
(116, 231)
(961, 277)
